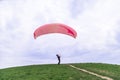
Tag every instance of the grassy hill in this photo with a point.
(59, 72)
(109, 70)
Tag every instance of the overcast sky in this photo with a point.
(97, 23)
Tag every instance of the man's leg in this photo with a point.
(58, 60)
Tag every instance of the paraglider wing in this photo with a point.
(55, 28)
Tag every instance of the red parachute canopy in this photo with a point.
(55, 28)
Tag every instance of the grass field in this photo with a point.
(109, 70)
(59, 72)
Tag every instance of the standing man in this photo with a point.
(58, 56)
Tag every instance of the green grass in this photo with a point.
(109, 70)
(45, 72)
(60, 72)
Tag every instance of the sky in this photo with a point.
(96, 22)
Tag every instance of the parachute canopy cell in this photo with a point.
(55, 28)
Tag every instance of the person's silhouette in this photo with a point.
(58, 56)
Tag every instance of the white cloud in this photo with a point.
(98, 24)
(95, 21)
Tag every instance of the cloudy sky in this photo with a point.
(97, 23)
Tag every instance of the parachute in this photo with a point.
(54, 28)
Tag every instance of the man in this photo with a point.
(58, 56)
